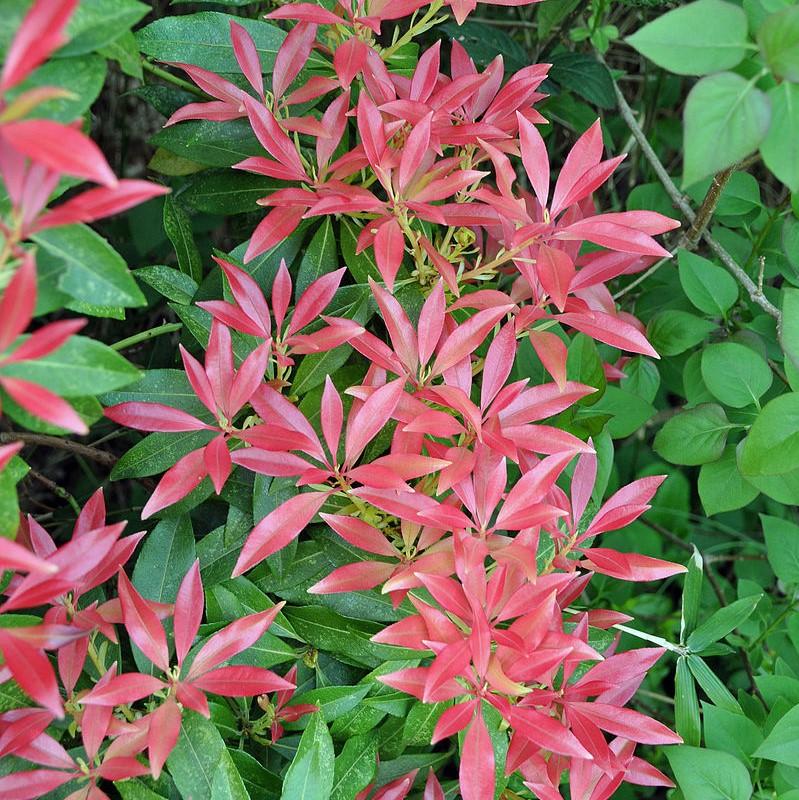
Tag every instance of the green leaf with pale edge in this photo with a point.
(310, 774)
(709, 774)
(695, 39)
(726, 118)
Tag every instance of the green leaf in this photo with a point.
(583, 364)
(709, 774)
(686, 705)
(136, 790)
(315, 367)
(97, 22)
(168, 386)
(361, 265)
(125, 51)
(79, 365)
(168, 282)
(92, 268)
(726, 118)
(204, 39)
(260, 782)
(731, 732)
(672, 332)
(778, 149)
(199, 755)
(332, 701)
(584, 75)
(228, 784)
(319, 258)
(485, 42)
(355, 766)
(165, 557)
(782, 547)
(83, 77)
(772, 446)
(628, 411)
(227, 191)
(735, 374)
(217, 144)
(712, 686)
(723, 622)
(710, 288)
(789, 335)
(157, 452)
(10, 476)
(691, 595)
(695, 436)
(695, 39)
(310, 774)
(778, 38)
(177, 226)
(722, 487)
(780, 744)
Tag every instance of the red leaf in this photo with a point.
(371, 418)
(241, 681)
(31, 669)
(18, 302)
(189, 605)
(154, 417)
(41, 32)
(231, 640)
(389, 246)
(630, 566)
(291, 56)
(178, 481)
(162, 734)
(546, 732)
(142, 624)
(555, 270)
(454, 719)
(43, 404)
(610, 330)
(278, 528)
(32, 783)
(61, 148)
(466, 338)
(628, 723)
(477, 763)
(247, 56)
(12, 555)
(357, 577)
(218, 463)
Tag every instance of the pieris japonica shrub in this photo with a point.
(407, 518)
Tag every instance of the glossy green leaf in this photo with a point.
(92, 269)
(95, 23)
(171, 283)
(170, 387)
(157, 452)
(227, 192)
(204, 39)
(318, 259)
(355, 766)
(79, 365)
(583, 74)
(311, 773)
(177, 226)
(726, 118)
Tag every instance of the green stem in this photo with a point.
(167, 327)
(164, 75)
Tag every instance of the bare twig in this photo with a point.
(58, 491)
(697, 223)
(92, 453)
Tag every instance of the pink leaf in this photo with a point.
(162, 735)
(142, 624)
(188, 611)
(247, 56)
(477, 763)
(278, 528)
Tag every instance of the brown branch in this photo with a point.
(681, 202)
(76, 448)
